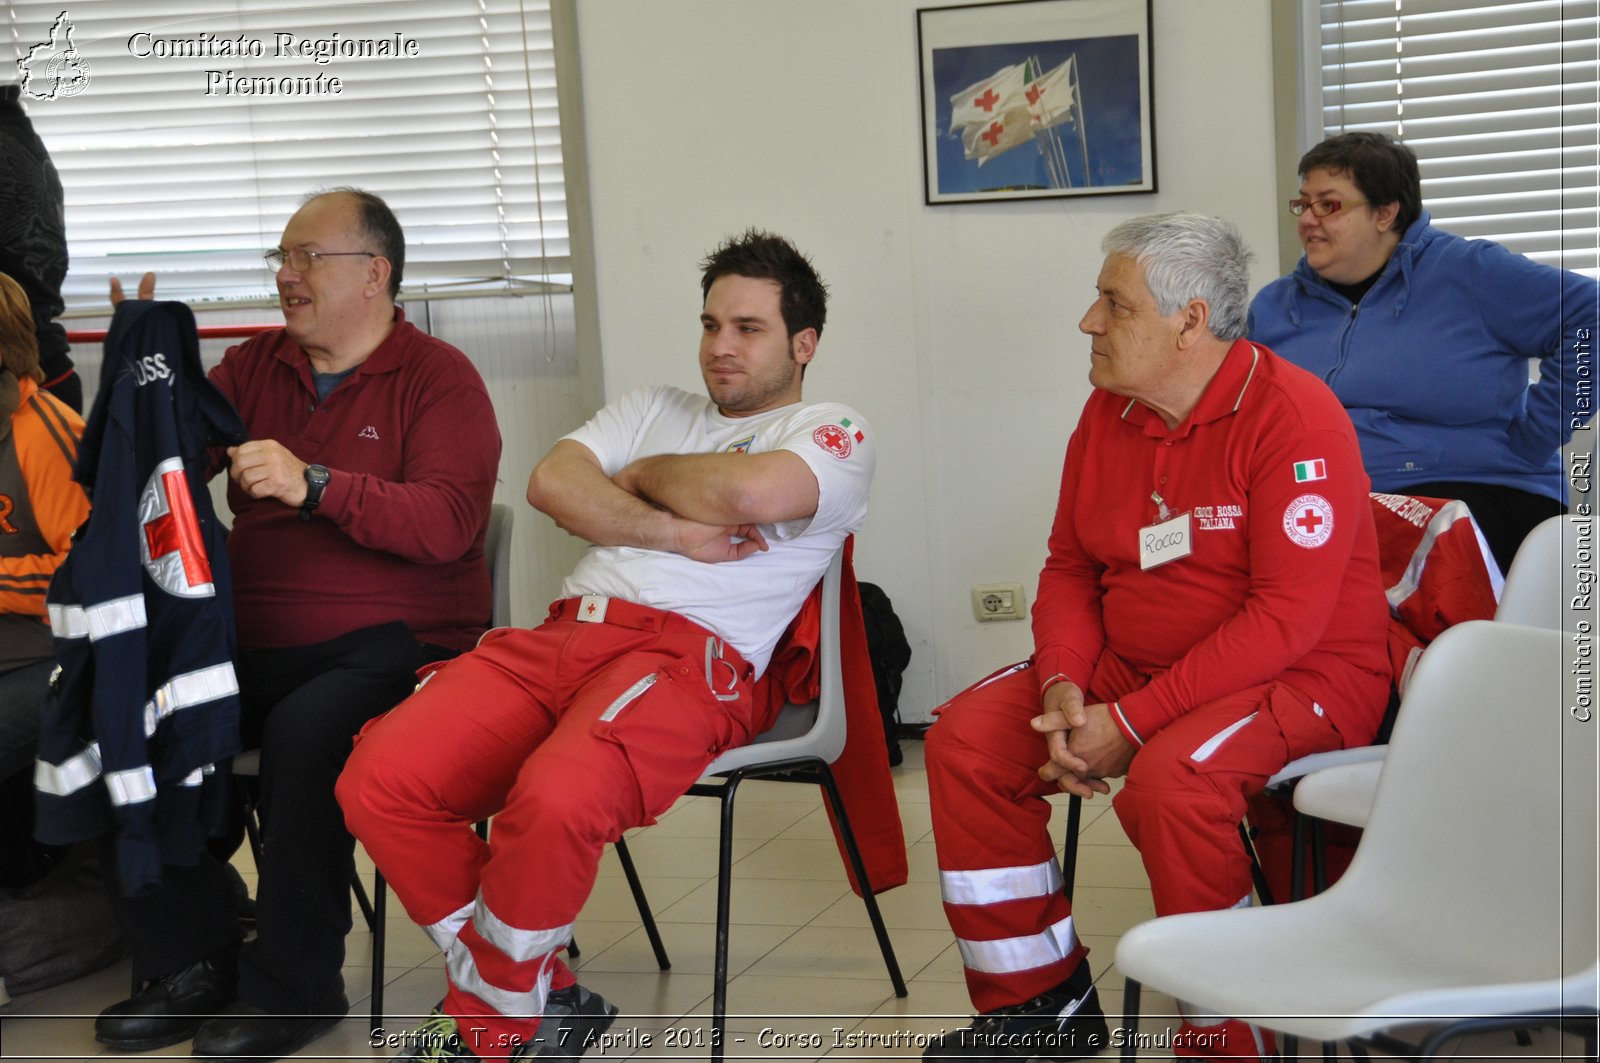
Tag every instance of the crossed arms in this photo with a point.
(704, 506)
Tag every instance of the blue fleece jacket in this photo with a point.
(1432, 365)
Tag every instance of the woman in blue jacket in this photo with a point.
(1426, 339)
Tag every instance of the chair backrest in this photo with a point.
(815, 729)
(1533, 594)
(1476, 829)
(497, 551)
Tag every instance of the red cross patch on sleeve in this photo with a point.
(833, 438)
(1308, 521)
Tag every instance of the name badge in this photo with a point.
(1165, 542)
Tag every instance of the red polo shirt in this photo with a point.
(1282, 580)
(412, 446)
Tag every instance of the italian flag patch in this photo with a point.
(1306, 471)
(855, 433)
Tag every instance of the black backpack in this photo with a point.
(890, 653)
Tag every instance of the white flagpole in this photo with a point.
(1058, 175)
(1055, 156)
(1083, 121)
(1055, 136)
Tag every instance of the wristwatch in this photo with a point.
(316, 483)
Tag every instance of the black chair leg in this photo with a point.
(1297, 850)
(252, 830)
(859, 868)
(719, 983)
(1130, 1018)
(1069, 852)
(1256, 874)
(380, 903)
(645, 914)
(367, 912)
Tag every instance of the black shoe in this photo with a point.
(1065, 1023)
(246, 1031)
(170, 1009)
(574, 1018)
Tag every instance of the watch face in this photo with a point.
(316, 481)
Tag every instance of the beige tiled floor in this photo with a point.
(808, 981)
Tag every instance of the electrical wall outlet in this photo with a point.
(999, 601)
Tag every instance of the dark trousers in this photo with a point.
(1505, 515)
(302, 706)
(22, 690)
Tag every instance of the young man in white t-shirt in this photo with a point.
(712, 519)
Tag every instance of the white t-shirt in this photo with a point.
(748, 602)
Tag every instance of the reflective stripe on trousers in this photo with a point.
(516, 944)
(1008, 955)
(992, 885)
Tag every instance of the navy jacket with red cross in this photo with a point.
(145, 700)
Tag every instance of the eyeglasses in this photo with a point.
(1321, 208)
(300, 259)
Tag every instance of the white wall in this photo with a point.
(952, 328)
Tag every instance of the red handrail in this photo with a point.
(207, 332)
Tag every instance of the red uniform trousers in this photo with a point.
(570, 733)
(1181, 804)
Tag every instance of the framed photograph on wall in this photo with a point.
(1036, 99)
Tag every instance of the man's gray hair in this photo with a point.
(1190, 256)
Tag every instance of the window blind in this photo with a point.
(193, 136)
(1500, 102)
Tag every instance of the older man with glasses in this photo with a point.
(360, 504)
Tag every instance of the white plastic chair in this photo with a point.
(1341, 794)
(1471, 901)
(799, 747)
(497, 551)
(1533, 597)
(1533, 593)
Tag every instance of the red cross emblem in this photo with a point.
(987, 100)
(992, 134)
(1308, 521)
(834, 439)
(172, 549)
(590, 608)
(1034, 92)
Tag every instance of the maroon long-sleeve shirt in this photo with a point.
(412, 446)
